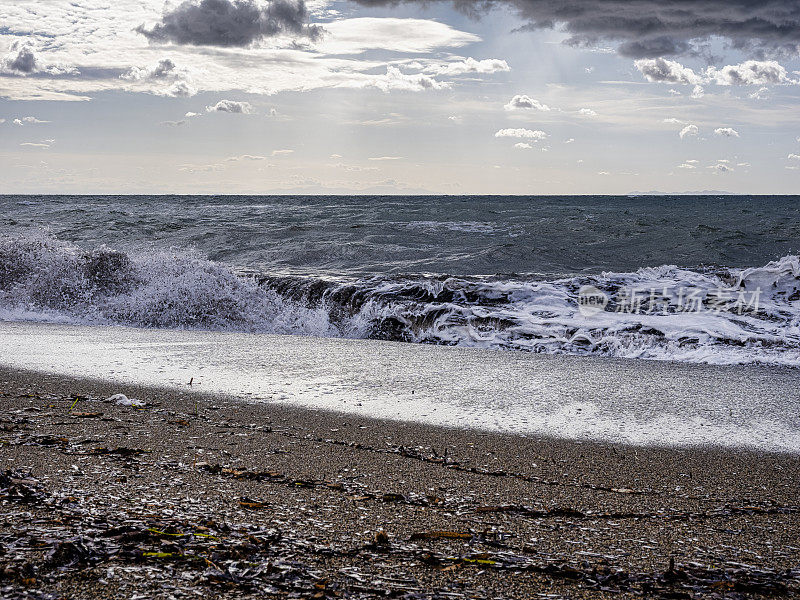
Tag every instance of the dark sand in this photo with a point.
(196, 496)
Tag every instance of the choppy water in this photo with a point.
(695, 279)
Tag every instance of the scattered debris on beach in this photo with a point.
(103, 510)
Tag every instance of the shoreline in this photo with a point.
(424, 511)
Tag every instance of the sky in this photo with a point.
(408, 97)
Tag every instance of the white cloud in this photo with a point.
(569, 141)
(382, 158)
(395, 79)
(164, 69)
(230, 106)
(469, 65)
(523, 146)
(686, 165)
(688, 131)
(336, 156)
(284, 152)
(661, 70)
(244, 157)
(21, 60)
(522, 133)
(28, 121)
(673, 121)
(587, 112)
(524, 102)
(794, 157)
(751, 72)
(726, 132)
(412, 36)
(761, 93)
(674, 92)
(721, 167)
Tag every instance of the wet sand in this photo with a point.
(198, 495)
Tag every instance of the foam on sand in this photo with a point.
(592, 398)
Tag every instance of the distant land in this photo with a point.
(701, 193)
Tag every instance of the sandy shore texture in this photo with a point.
(205, 496)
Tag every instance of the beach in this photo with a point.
(196, 494)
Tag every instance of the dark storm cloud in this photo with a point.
(651, 28)
(230, 22)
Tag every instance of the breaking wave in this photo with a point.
(721, 316)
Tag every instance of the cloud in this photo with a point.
(381, 158)
(470, 65)
(687, 165)
(179, 89)
(569, 141)
(673, 121)
(587, 112)
(230, 106)
(726, 132)
(652, 28)
(794, 157)
(689, 131)
(281, 152)
(174, 123)
(395, 79)
(523, 102)
(751, 72)
(661, 70)
(230, 23)
(165, 68)
(523, 146)
(535, 135)
(179, 84)
(21, 60)
(44, 144)
(722, 167)
(29, 121)
(97, 47)
(415, 36)
(245, 157)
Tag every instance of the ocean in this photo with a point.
(693, 279)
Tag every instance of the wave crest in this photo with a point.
(45, 279)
